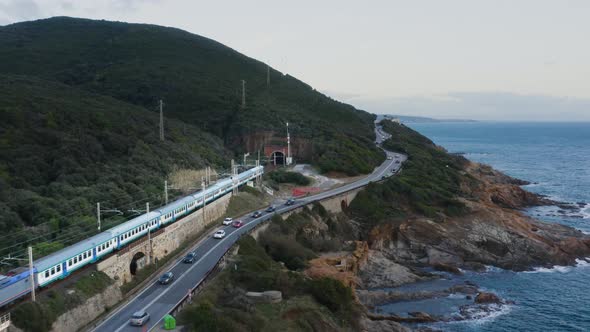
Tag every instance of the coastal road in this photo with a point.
(158, 300)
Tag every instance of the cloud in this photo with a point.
(482, 106)
(12, 11)
(18, 10)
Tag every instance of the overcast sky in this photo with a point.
(495, 59)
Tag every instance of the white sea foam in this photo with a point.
(556, 268)
(487, 317)
(583, 262)
(490, 268)
(456, 296)
(560, 268)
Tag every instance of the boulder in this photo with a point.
(484, 297)
(447, 268)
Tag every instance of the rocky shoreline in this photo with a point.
(494, 233)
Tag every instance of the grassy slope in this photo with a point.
(198, 78)
(428, 184)
(63, 149)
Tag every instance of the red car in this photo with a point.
(237, 224)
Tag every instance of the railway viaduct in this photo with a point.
(122, 265)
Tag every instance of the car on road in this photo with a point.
(227, 221)
(189, 258)
(166, 278)
(270, 209)
(237, 224)
(139, 318)
(256, 214)
(290, 201)
(220, 234)
(390, 158)
(397, 161)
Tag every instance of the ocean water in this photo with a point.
(555, 158)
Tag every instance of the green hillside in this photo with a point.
(63, 149)
(199, 80)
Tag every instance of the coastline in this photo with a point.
(500, 193)
(520, 209)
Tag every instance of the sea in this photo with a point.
(555, 159)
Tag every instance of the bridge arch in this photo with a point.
(138, 261)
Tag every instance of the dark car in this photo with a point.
(270, 209)
(256, 214)
(237, 224)
(290, 201)
(190, 258)
(166, 278)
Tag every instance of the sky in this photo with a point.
(485, 60)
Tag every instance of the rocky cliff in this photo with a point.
(493, 231)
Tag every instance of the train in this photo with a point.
(58, 265)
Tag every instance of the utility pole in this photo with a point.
(234, 177)
(147, 211)
(99, 211)
(257, 175)
(98, 215)
(204, 188)
(288, 147)
(166, 191)
(245, 155)
(161, 120)
(31, 274)
(243, 94)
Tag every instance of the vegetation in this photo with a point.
(247, 200)
(290, 241)
(39, 316)
(280, 175)
(62, 150)
(429, 183)
(223, 305)
(198, 79)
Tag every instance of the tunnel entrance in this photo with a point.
(137, 263)
(277, 158)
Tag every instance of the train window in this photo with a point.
(58, 269)
(75, 260)
(47, 274)
(84, 256)
(52, 271)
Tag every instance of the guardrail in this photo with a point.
(187, 299)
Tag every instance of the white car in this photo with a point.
(227, 221)
(220, 234)
(139, 318)
(389, 158)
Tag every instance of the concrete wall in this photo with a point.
(164, 241)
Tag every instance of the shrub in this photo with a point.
(287, 250)
(282, 176)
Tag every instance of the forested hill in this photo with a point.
(78, 122)
(63, 149)
(198, 78)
